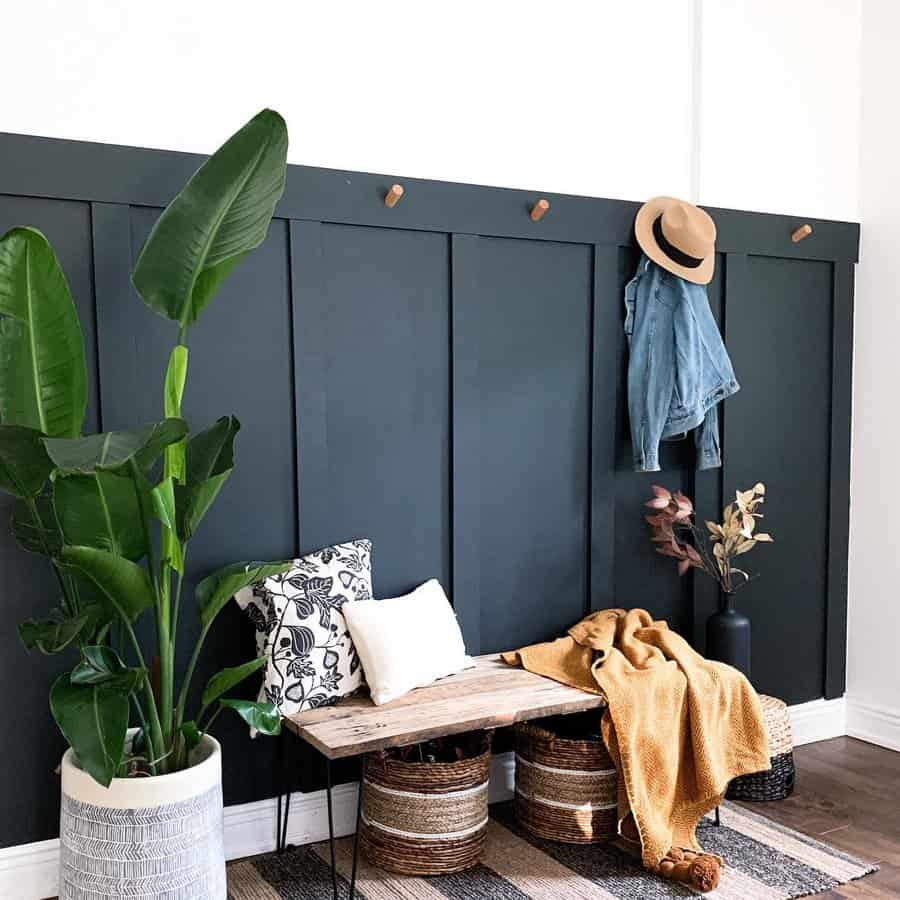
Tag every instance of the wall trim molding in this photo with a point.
(109, 173)
(873, 722)
(29, 871)
(818, 720)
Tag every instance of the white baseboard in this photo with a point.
(29, 871)
(873, 722)
(818, 720)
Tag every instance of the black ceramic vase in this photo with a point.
(728, 636)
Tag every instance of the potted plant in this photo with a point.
(677, 535)
(114, 513)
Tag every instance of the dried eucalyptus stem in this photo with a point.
(673, 520)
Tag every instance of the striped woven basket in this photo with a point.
(778, 782)
(565, 788)
(421, 818)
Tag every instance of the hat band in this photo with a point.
(676, 255)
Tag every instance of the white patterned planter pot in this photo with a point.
(155, 837)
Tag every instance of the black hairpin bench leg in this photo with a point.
(718, 820)
(284, 811)
(331, 839)
(331, 829)
(359, 799)
(284, 793)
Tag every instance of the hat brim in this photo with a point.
(643, 231)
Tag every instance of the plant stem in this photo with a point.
(176, 609)
(161, 590)
(166, 656)
(700, 543)
(156, 736)
(209, 724)
(188, 676)
(143, 719)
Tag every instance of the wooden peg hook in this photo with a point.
(392, 198)
(539, 209)
(803, 231)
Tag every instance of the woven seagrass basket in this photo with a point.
(424, 818)
(778, 782)
(565, 788)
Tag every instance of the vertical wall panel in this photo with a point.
(643, 578)
(605, 412)
(707, 491)
(466, 366)
(29, 789)
(839, 501)
(371, 331)
(531, 306)
(778, 430)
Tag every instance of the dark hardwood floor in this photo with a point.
(848, 795)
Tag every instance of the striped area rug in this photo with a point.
(764, 861)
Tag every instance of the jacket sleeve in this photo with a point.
(651, 377)
(706, 437)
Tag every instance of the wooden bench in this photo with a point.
(490, 695)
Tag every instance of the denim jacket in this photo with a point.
(678, 368)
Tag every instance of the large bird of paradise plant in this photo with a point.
(114, 512)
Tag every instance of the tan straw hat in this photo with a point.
(678, 236)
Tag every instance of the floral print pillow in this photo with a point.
(312, 661)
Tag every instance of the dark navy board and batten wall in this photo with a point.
(446, 378)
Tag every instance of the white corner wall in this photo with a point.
(873, 674)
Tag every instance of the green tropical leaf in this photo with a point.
(100, 664)
(264, 717)
(43, 376)
(191, 734)
(209, 461)
(114, 449)
(124, 584)
(101, 510)
(37, 535)
(24, 464)
(163, 498)
(164, 507)
(221, 214)
(226, 679)
(94, 719)
(52, 635)
(217, 589)
(173, 391)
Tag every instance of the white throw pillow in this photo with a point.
(300, 626)
(406, 642)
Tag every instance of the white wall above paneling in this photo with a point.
(779, 121)
(526, 94)
(746, 103)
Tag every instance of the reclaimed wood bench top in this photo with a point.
(490, 695)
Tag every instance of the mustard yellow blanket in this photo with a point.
(678, 727)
